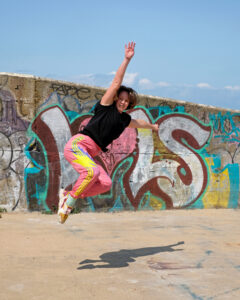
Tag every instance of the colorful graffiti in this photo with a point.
(171, 169)
(12, 159)
(226, 126)
(223, 158)
(192, 162)
(181, 168)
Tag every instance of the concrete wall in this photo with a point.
(193, 162)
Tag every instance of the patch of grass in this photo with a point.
(3, 210)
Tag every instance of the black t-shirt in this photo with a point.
(106, 125)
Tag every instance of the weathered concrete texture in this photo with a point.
(193, 161)
(177, 254)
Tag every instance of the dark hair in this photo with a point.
(132, 95)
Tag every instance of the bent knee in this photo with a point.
(92, 173)
(108, 184)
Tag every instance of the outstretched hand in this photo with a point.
(129, 50)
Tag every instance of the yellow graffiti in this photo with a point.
(144, 131)
(218, 191)
(155, 203)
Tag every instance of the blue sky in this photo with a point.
(186, 50)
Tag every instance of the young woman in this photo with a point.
(107, 124)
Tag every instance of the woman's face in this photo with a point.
(122, 101)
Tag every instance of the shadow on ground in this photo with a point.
(122, 258)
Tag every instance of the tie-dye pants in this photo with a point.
(93, 180)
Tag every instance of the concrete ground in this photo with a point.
(177, 254)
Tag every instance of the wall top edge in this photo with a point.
(183, 102)
(17, 75)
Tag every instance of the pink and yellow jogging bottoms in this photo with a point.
(93, 180)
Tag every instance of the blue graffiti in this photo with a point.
(227, 124)
(158, 111)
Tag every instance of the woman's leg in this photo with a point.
(92, 179)
(101, 185)
(78, 153)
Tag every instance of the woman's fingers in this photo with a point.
(130, 45)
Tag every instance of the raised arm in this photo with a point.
(108, 97)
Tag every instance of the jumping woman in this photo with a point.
(107, 124)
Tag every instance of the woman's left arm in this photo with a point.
(143, 124)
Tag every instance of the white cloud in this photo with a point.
(105, 80)
(146, 84)
(204, 85)
(233, 88)
(85, 78)
(129, 78)
(102, 80)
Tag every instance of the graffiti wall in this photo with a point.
(191, 162)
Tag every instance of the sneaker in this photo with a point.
(63, 209)
(62, 195)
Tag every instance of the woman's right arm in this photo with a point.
(108, 97)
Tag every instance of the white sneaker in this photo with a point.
(63, 209)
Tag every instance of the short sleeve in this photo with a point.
(100, 107)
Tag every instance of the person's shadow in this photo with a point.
(122, 258)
